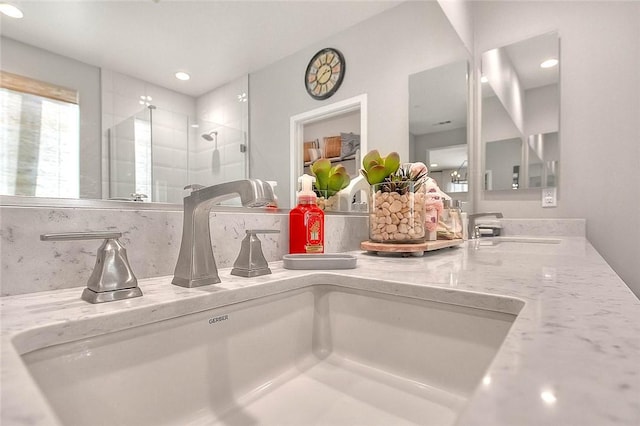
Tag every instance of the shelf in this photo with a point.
(333, 160)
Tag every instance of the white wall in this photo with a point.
(504, 80)
(541, 110)
(460, 14)
(496, 122)
(380, 54)
(501, 157)
(423, 143)
(599, 125)
(30, 61)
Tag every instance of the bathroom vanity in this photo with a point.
(501, 331)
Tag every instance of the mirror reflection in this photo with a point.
(335, 133)
(520, 114)
(338, 140)
(39, 146)
(502, 167)
(112, 95)
(438, 124)
(115, 136)
(542, 156)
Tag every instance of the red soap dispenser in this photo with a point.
(306, 221)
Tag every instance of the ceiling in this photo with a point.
(526, 57)
(448, 158)
(214, 41)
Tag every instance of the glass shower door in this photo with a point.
(130, 157)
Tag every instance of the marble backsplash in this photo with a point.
(544, 227)
(151, 237)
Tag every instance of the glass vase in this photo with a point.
(397, 212)
(326, 202)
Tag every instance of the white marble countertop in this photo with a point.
(572, 356)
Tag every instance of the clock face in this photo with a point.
(325, 73)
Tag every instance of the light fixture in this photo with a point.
(549, 63)
(457, 176)
(548, 397)
(433, 165)
(484, 79)
(10, 10)
(145, 100)
(181, 75)
(242, 97)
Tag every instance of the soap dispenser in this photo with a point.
(306, 220)
(450, 223)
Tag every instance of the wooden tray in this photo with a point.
(416, 249)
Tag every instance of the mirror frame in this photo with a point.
(55, 203)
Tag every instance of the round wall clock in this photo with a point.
(325, 73)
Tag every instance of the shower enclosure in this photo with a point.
(155, 153)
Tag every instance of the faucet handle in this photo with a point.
(262, 231)
(194, 187)
(90, 235)
(251, 261)
(138, 196)
(112, 277)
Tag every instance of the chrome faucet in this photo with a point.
(473, 229)
(196, 265)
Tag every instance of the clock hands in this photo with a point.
(323, 74)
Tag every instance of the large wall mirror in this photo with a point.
(137, 135)
(438, 125)
(118, 137)
(521, 114)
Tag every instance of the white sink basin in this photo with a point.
(319, 355)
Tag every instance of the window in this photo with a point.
(39, 138)
(142, 141)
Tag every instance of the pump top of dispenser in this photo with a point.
(306, 193)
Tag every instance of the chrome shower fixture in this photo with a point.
(211, 136)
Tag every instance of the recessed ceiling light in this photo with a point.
(11, 10)
(180, 75)
(548, 397)
(484, 79)
(433, 165)
(549, 63)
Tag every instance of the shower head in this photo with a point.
(210, 136)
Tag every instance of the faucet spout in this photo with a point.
(472, 222)
(196, 265)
